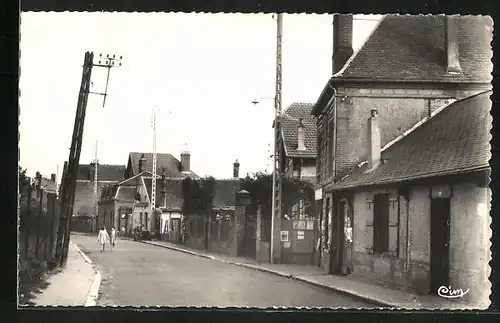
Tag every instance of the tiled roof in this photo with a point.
(454, 140)
(104, 172)
(171, 164)
(125, 193)
(290, 124)
(224, 192)
(413, 48)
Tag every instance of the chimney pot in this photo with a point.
(342, 41)
(301, 136)
(373, 140)
(185, 161)
(236, 169)
(142, 163)
(451, 46)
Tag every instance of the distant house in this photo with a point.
(408, 69)
(128, 203)
(420, 207)
(299, 141)
(50, 184)
(167, 163)
(84, 192)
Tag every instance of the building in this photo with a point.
(298, 145)
(408, 69)
(84, 192)
(432, 184)
(127, 204)
(50, 184)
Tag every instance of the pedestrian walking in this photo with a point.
(102, 237)
(113, 236)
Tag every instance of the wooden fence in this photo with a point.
(38, 223)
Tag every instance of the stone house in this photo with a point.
(409, 68)
(419, 209)
(298, 147)
(128, 203)
(84, 192)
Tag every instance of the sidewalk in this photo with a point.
(71, 286)
(313, 275)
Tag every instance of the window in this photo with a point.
(140, 218)
(146, 220)
(327, 221)
(381, 223)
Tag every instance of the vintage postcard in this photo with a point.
(255, 160)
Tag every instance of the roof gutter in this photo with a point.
(412, 178)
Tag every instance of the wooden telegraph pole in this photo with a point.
(68, 183)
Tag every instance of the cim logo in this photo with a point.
(447, 292)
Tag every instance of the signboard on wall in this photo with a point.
(310, 225)
(318, 194)
(299, 225)
(284, 236)
(287, 244)
(300, 235)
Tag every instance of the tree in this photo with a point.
(259, 185)
(24, 180)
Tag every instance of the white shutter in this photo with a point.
(369, 226)
(393, 227)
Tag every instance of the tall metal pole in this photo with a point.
(277, 178)
(96, 198)
(153, 181)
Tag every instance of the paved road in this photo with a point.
(141, 275)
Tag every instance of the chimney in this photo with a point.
(142, 164)
(53, 177)
(185, 161)
(451, 45)
(301, 136)
(236, 169)
(342, 41)
(373, 140)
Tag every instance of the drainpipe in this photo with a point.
(408, 253)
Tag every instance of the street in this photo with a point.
(138, 274)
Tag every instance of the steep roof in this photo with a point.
(290, 124)
(413, 48)
(224, 193)
(104, 172)
(171, 164)
(454, 140)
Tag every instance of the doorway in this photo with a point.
(440, 243)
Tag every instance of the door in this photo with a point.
(440, 243)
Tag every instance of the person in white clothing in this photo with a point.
(112, 238)
(102, 237)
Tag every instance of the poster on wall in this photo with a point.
(284, 236)
(300, 235)
(299, 225)
(286, 244)
(310, 225)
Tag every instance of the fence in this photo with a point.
(38, 223)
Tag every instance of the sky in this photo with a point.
(199, 72)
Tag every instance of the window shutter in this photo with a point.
(369, 226)
(393, 227)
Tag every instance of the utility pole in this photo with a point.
(277, 176)
(96, 198)
(68, 182)
(153, 181)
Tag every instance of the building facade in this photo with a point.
(404, 83)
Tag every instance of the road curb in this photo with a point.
(193, 253)
(281, 274)
(96, 283)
